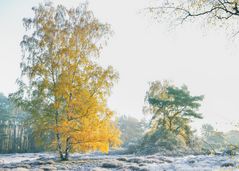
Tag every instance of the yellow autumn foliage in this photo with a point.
(67, 89)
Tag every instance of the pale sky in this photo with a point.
(142, 50)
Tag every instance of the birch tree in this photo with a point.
(62, 85)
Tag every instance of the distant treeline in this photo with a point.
(15, 137)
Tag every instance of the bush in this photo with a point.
(161, 140)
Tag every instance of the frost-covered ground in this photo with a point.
(99, 162)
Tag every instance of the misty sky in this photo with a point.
(142, 50)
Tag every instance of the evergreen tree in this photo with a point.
(172, 109)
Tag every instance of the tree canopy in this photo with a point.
(172, 110)
(62, 86)
(223, 12)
